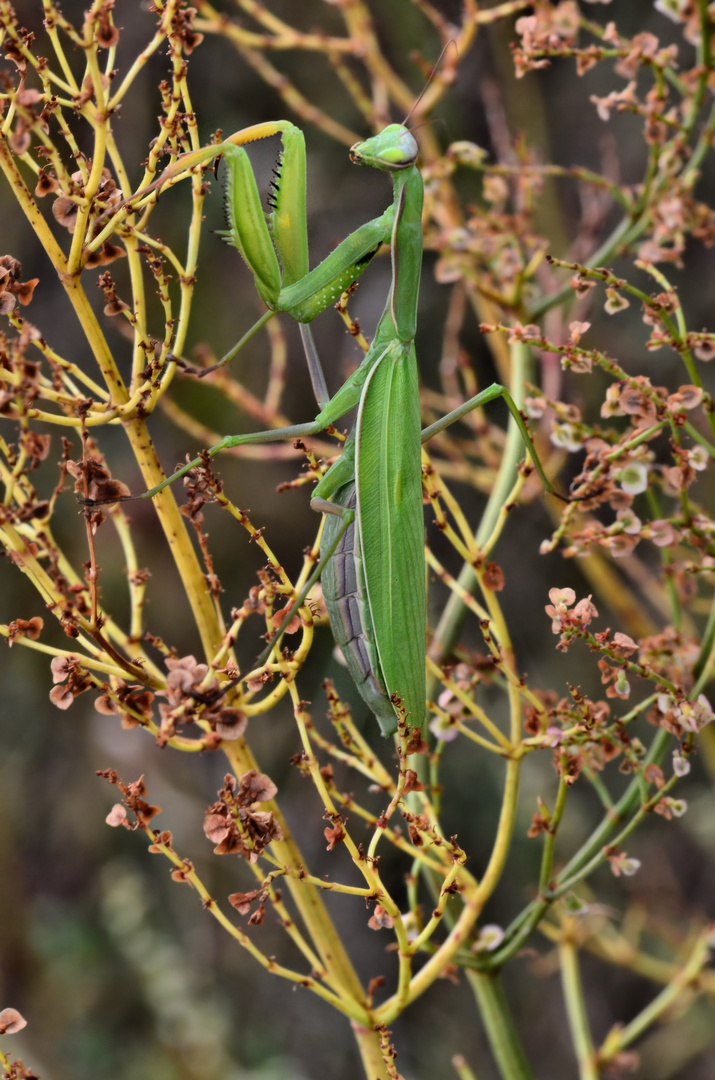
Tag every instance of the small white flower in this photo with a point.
(698, 458)
(410, 925)
(629, 522)
(467, 153)
(534, 407)
(681, 765)
(490, 938)
(576, 905)
(624, 864)
(567, 437)
(670, 8)
(694, 715)
(615, 302)
(621, 686)
(633, 478)
(443, 730)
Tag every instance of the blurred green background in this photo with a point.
(113, 965)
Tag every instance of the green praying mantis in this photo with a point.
(372, 549)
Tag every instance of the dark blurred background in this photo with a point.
(114, 966)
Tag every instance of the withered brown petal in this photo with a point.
(65, 210)
(20, 139)
(11, 1021)
(61, 696)
(105, 705)
(258, 786)
(46, 184)
(24, 289)
(231, 724)
(116, 816)
(242, 900)
(7, 303)
(115, 307)
(216, 827)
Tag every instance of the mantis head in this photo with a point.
(393, 149)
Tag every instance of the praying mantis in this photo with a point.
(372, 549)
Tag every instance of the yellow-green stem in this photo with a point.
(503, 1038)
(575, 1004)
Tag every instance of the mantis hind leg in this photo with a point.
(490, 394)
(348, 516)
(296, 431)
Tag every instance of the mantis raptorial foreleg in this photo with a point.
(274, 246)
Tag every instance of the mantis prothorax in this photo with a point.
(374, 580)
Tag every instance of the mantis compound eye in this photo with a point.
(403, 154)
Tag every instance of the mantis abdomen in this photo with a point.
(345, 595)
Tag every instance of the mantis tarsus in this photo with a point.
(373, 580)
